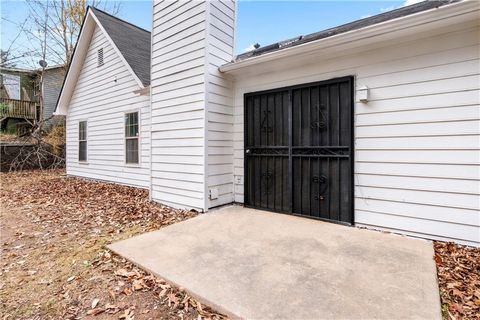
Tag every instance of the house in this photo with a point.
(52, 84)
(19, 93)
(375, 123)
(18, 96)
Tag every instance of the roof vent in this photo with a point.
(256, 45)
(100, 57)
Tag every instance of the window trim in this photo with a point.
(125, 138)
(86, 141)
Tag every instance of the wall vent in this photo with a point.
(100, 57)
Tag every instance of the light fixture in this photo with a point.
(362, 94)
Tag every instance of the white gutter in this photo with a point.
(350, 37)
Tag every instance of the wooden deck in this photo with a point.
(11, 108)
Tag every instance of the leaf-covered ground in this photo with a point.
(54, 264)
(458, 269)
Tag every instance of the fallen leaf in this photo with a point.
(127, 315)
(127, 291)
(122, 273)
(457, 293)
(137, 284)
(172, 298)
(163, 292)
(95, 311)
(112, 295)
(95, 302)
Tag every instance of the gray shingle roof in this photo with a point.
(132, 41)
(401, 12)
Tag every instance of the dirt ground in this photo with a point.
(54, 264)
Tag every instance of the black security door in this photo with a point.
(298, 150)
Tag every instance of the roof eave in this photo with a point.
(358, 35)
(112, 43)
(74, 68)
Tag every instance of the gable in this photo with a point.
(132, 42)
(90, 26)
(111, 77)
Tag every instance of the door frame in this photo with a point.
(350, 79)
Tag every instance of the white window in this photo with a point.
(82, 141)
(131, 138)
(100, 57)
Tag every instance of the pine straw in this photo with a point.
(458, 269)
(54, 263)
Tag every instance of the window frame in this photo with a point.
(138, 137)
(85, 140)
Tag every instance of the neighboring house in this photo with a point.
(18, 98)
(52, 84)
(375, 123)
(19, 93)
(18, 84)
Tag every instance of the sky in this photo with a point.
(262, 22)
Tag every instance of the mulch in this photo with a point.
(55, 264)
(458, 269)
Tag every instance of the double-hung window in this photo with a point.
(131, 138)
(82, 141)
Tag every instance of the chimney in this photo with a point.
(192, 103)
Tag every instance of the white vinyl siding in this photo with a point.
(178, 104)
(103, 96)
(221, 24)
(192, 113)
(417, 140)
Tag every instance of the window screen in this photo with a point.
(131, 137)
(82, 141)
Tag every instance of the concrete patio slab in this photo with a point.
(260, 265)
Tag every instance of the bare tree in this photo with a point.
(63, 22)
(8, 59)
(5, 59)
(52, 29)
(35, 148)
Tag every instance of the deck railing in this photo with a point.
(11, 108)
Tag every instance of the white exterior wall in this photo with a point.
(103, 103)
(417, 141)
(189, 41)
(220, 50)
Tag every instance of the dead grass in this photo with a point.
(54, 263)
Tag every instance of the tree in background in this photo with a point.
(63, 20)
(52, 29)
(6, 60)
